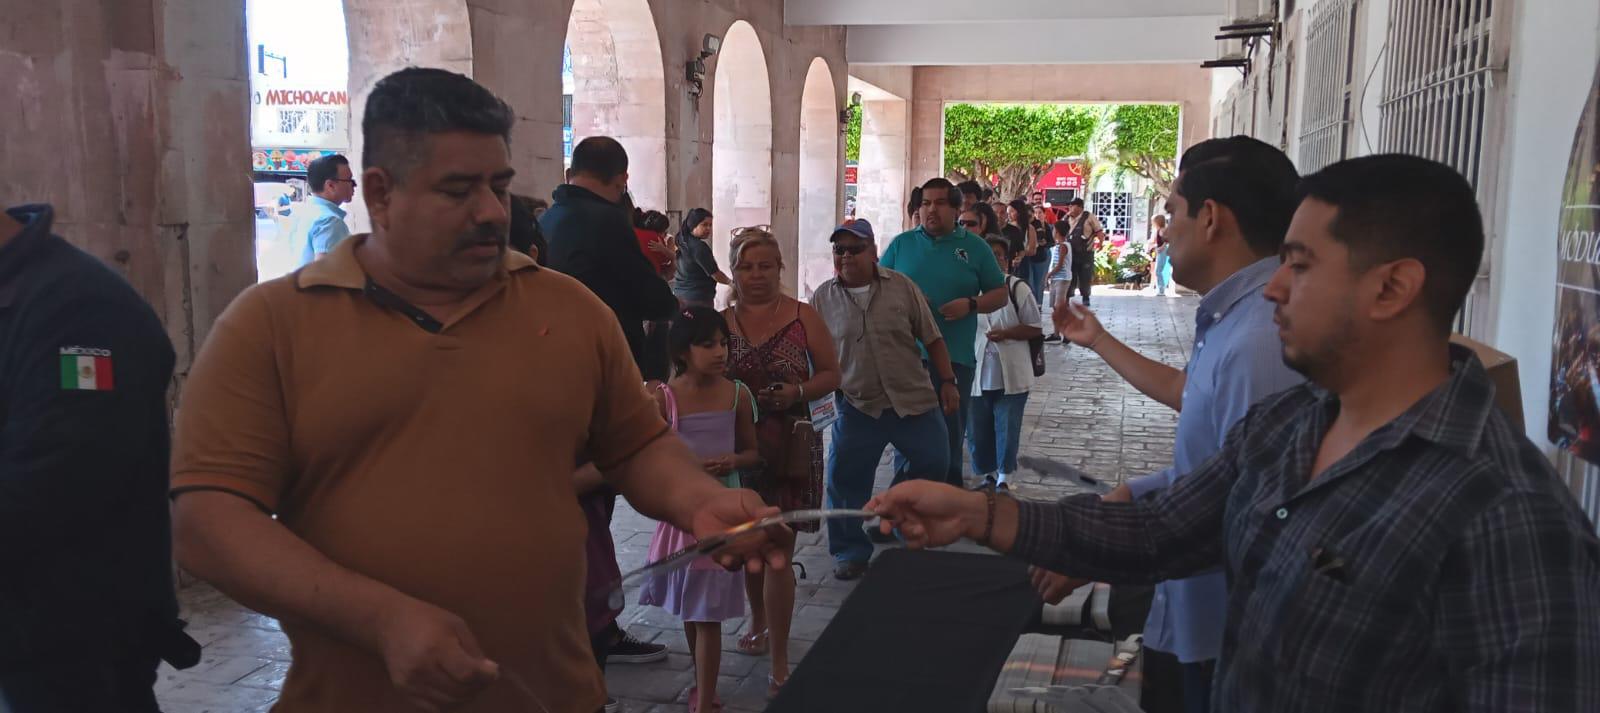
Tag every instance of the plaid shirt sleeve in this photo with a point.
(1168, 535)
(1516, 611)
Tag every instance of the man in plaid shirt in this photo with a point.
(1391, 542)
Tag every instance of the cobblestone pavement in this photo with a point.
(1080, 413)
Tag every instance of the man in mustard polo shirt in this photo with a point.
(958, 274)
(409, 408)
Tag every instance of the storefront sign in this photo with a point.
(1063, 175)
(302, 116)
(1575, 374)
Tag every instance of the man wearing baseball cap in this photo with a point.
(877, 317)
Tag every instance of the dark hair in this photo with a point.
(1024, 212)
(1394, 206)
(985, 211)
(1076, 201)
(693, 220)
(652, 220)
(406, 106)
(1219, 148)
(525, 234)
(323, 170)
(1255, 181)
(1063, 230)
(1003, 245)
(695, 324)
(600, 156)
(916, 202)
(970, 187)
(952, 196)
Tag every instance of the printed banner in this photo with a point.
(1575, 373)
(290, 115)
(284, 160)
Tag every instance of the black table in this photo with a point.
(924, 632)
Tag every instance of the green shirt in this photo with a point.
(950, 267)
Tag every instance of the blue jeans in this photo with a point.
(1162, 274)
(858, 443)
(955, 429)
(1036, 279)
(995, 431)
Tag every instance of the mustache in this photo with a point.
(482, 233)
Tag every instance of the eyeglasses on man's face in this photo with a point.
(849, 250)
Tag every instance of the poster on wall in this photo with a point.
(1575, 368)
(285, 160)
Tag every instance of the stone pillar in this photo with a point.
(882, 171)
(131, 118)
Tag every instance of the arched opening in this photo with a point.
(299, 62)
(741, 153)
(883, 158)
(819, 176)
(618, 89)
(311, 65)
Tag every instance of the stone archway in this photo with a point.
(819, 176)
(741, 152)
(619, 89)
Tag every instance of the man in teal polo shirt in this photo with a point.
(958, 274)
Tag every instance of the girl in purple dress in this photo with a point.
(716, 418)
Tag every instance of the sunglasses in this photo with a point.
(850, 250)
(968, 223)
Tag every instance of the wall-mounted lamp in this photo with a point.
(695, 69)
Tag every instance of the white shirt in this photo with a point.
(1015, 363)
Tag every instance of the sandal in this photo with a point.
(774, 685)
(694, 701)
(755, 644)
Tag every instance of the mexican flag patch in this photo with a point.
(85, 369)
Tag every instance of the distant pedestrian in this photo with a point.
(877, 318)
(1004, 377)
(87, 609)
(697, 275)
(1085, 235)
(1158, 268)
(1059, 274)
(319, 223)
(1025, 240)
(914, 207)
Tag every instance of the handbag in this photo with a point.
(1036, 344)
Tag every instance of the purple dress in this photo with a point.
(703, 591)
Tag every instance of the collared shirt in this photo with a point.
(1441, 565)
(319, 228)
(425, 454)
(85, 539)
(951, 267)
(1237, 361)
(877, 336)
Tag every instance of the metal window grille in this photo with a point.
(1115, 211)
(1441, 98)
(1329, 84)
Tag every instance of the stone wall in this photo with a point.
(131, 116)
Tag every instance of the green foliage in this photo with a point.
(989, 138)
(852, 135)
(1149, 129)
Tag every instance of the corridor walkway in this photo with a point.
(1080, 413)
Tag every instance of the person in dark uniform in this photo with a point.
(87, 607)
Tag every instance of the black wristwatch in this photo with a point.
(972, 303)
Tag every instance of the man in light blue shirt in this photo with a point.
(319, 223)
(1231, 205)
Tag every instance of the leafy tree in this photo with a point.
(852, 135)
(1017, 142)
(1147, 142)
